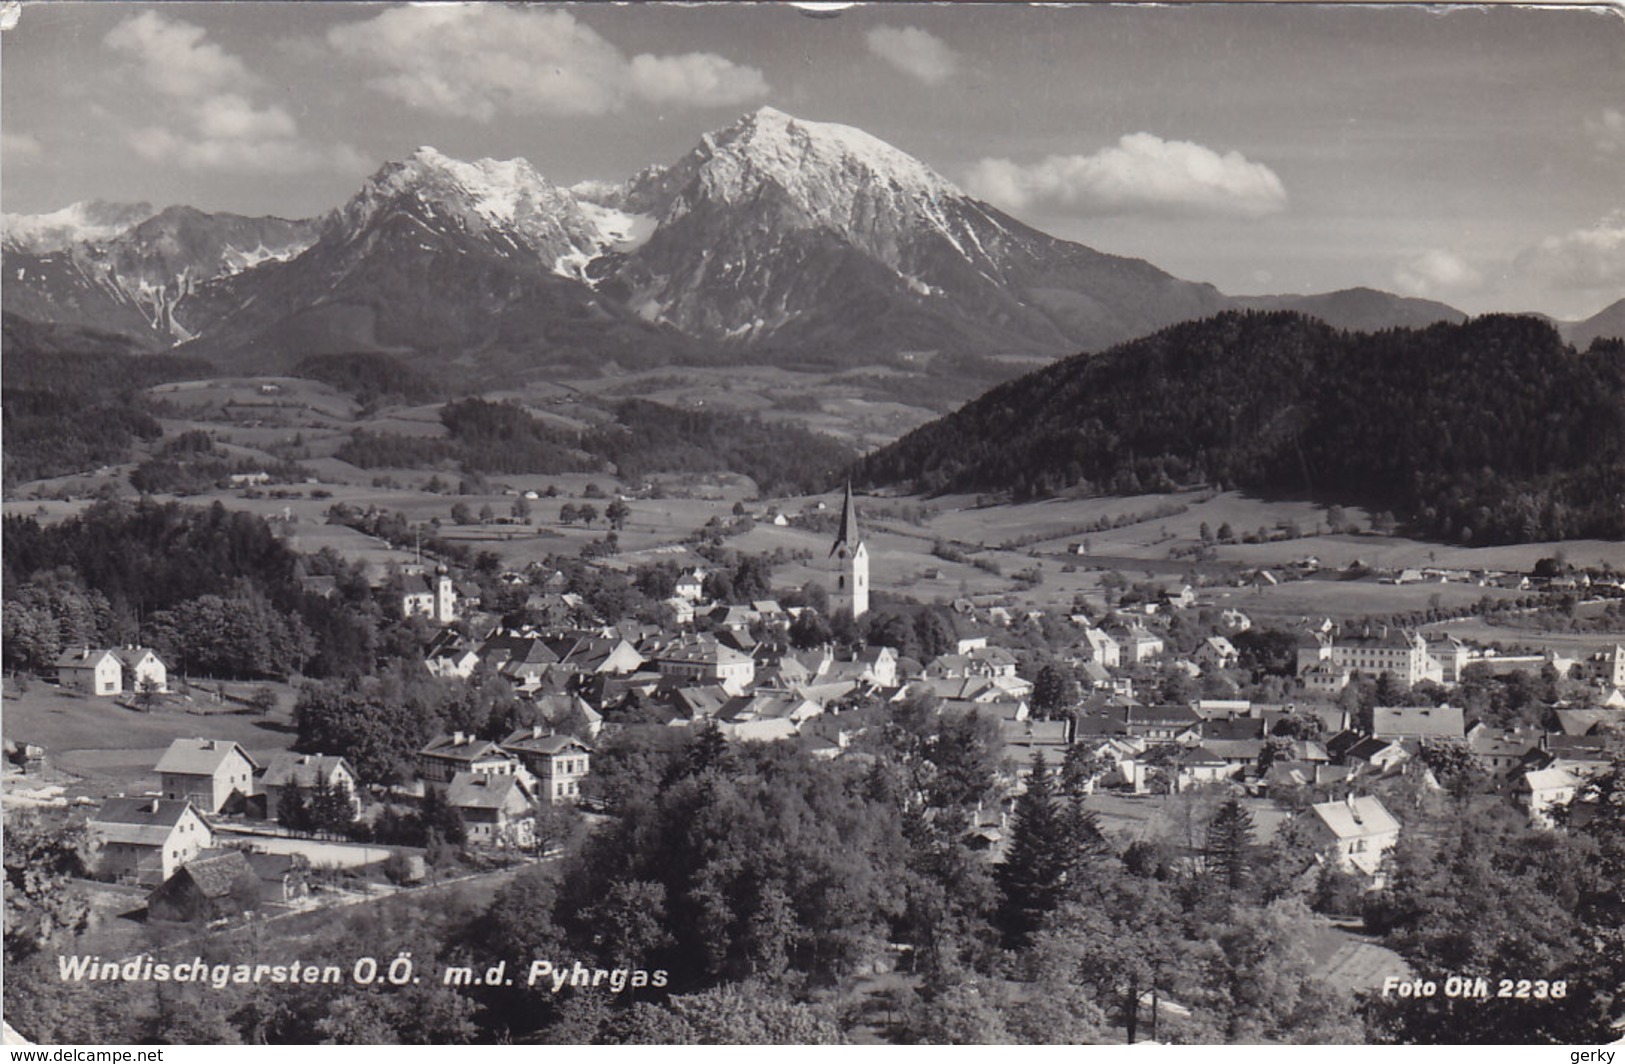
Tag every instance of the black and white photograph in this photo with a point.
(813, 523)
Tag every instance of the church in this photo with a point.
(849, 563)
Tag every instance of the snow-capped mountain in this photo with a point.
(129, 269)
(772, 238)
(819, 235)
(484, 261)
(507, 203)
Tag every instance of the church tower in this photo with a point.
(849, 563)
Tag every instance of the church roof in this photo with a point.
(848, 534)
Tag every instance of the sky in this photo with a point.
(1467, 154)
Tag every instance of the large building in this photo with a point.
(1374, 652)
(849, 563)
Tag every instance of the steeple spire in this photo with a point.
(848, 536)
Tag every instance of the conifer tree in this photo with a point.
(1034, 877)
(1229, 848)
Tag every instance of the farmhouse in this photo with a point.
(206, 772)
(144, 840)
(143, 669)
(91, 671)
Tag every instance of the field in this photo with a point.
(1063, 548)
(99, 748)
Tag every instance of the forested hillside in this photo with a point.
(72, 397)
(645, 438)
(1491, 431)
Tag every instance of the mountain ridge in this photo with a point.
(774, 239)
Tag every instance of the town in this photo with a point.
(1324, 736)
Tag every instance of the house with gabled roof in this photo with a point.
(91, 670)
(1217, 652)
(143, 668)
(206, 772)
(1102, 647)
(447, 755)
(1195, 765)
(558, 762)
(144, 840)
(449, 657)
(496, 810)
(1360, 828)
(1418, 722)
(1540, 790)
(707, 661)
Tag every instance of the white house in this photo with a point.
(1541, 790)
(1361, 829)
(92, 671)
(143, 668)
(145, 840)
(206, 772)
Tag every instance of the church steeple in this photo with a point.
(848, 533)
(849, 562)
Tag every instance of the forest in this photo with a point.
(72, 398)
(1492, 431)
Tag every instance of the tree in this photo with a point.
(487, 515)
(1228, 852)
(40, 900)
(146, 694)
(568, 514)
(587, 512)
(809, 630)
(1054, 689)
(460, 514)
(708, 751)
(521, 510)
(616, 514)
(1033, 878)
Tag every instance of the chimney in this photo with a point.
(153, 808)
(458, 738)
(535, 731)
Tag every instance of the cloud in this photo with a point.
(235, 118)
(282, 155)
(175, 59)
(1590, 258)
(1606, 130)
(915, 52)
(18, 147)
(1437, 272)
(476, 61)
(698, 79)
(208, 120)
(1142, 174)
